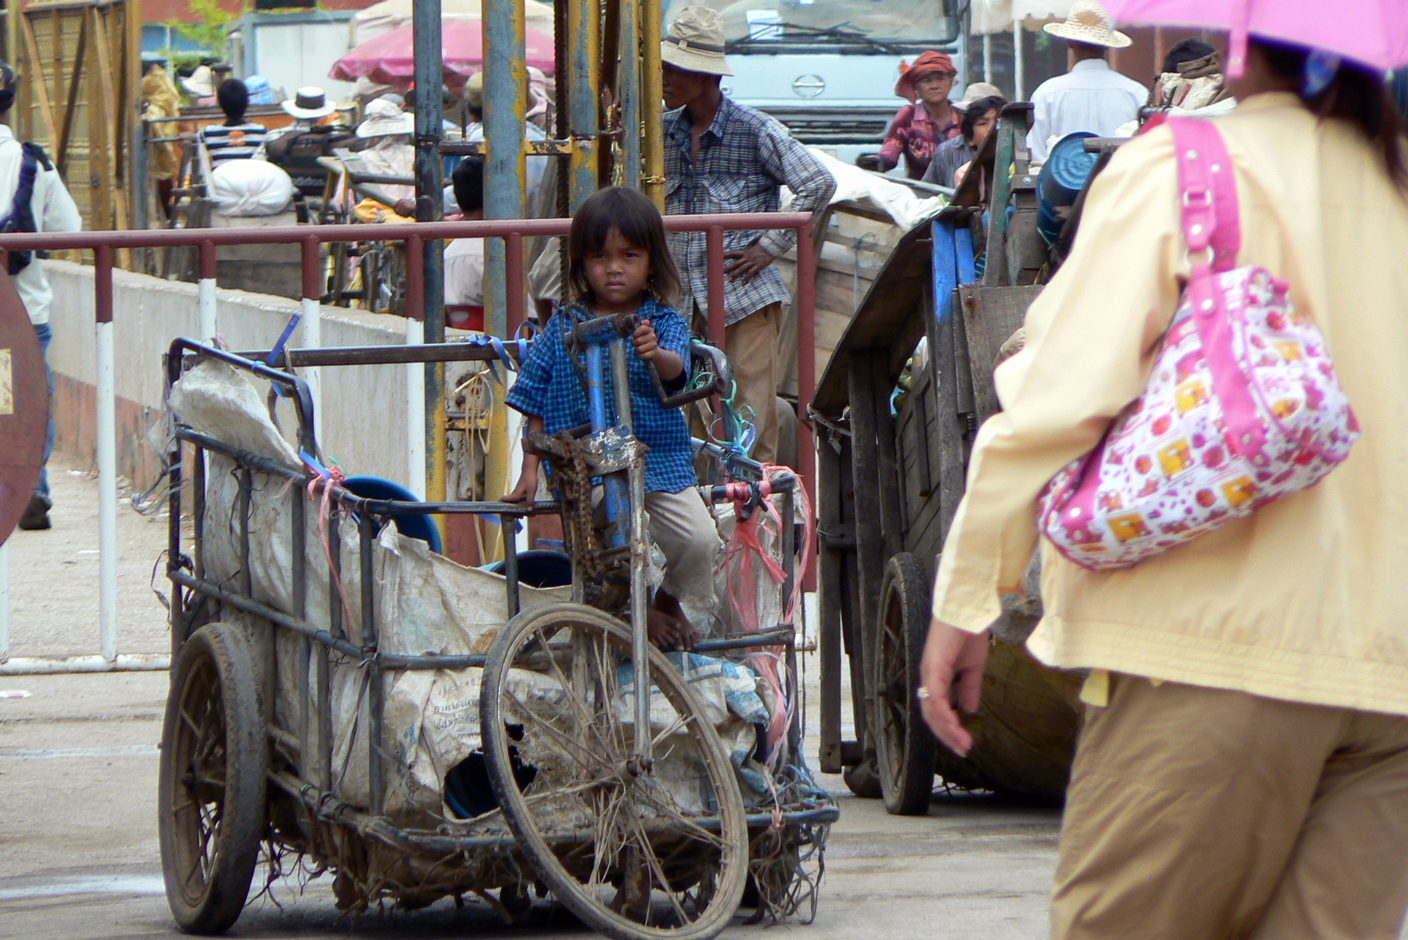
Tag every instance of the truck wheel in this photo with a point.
(904, 746)
(212, 788)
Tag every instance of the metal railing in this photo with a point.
(420, 397)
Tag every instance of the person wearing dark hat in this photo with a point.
(923, 124)
(721, 157)
(32, 199)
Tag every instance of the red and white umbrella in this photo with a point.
(390, 59)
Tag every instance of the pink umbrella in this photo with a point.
(389, 59)
(1372, 32)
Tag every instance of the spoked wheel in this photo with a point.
(212, 781)
(904, 746)
(653, 852)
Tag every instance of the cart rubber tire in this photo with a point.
(214, 761)
(904, 745)
(605, 744)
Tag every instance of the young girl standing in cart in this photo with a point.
(620, 265)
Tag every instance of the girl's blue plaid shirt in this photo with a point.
(548, 386)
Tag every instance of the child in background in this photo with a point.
(619, 264)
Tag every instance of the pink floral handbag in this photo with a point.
(1243, 405)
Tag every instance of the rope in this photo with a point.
(743, 546)
(330, 478)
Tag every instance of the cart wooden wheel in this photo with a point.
(634, 852)
(211, 789)
(904, 746)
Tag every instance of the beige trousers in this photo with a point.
(751, 347)
(681, 525)
(1205, 814)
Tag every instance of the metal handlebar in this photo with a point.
(624, 324)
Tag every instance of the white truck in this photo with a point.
(827, 68)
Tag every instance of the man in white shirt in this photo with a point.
(1091, 96)
(48, 208)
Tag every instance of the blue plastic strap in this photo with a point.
(284, 337)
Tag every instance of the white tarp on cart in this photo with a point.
(423, 602)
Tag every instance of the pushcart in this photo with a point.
(285, 734)
(900, 404)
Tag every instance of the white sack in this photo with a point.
(250, 188)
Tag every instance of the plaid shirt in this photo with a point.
(745, 157)
(548, 386)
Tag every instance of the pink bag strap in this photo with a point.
(1209, 192)
(1212, 228)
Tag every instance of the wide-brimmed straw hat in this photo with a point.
(1090, 23)
(310, 102)
(696, 42)
(928, 63)
(200, 82)
(975, 91)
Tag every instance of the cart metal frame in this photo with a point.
(307, 778)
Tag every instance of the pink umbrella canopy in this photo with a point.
(389, 59)
(1371, 32)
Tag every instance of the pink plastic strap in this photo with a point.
(1212, 227)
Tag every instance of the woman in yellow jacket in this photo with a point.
(1243, 766)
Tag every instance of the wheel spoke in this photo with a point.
(573, 748)
(648, 851)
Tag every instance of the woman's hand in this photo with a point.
(953, 658)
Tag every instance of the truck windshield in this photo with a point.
(876, 26)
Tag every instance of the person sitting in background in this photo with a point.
(464, 257)
(308, 106)
(1191, 78)
(1191, 83)
(474, 132)
(1091, 96)
(978, 121)
(923, 124)
(236, 139)
(200, 85)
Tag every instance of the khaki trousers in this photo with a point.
(681, 525)
(751, 347)
(1198, 813)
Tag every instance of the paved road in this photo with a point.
(78, 761)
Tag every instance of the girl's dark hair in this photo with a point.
(1356, 94)
(980, 108)
(636, 218)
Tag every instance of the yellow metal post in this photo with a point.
(652, 181)
(583, 45)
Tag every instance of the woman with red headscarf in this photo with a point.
(926, 122)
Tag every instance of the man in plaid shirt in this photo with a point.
(721, 157)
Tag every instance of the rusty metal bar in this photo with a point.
(806, 374)
(416, 438)
(714, 261)
(107, 456)
(285, 235)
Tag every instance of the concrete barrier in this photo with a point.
(364, 423)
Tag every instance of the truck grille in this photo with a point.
(835, 125)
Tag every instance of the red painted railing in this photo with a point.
(414, 235)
